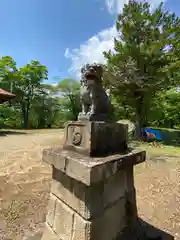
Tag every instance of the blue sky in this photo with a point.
(62, 34)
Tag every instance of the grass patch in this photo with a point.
(170, 130)
(161, 149)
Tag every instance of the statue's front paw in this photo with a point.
(91, 113)
(88, 113)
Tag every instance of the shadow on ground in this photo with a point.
(4, 133)
(155, 233)
(145, 231)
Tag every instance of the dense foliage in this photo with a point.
(145, 58)
(37, 105)
(142, 74)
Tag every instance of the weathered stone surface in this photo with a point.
(111, 223)
(58, 160)
(70, 225)
(105, 227)
(131, 206)
(93, 198)
(90, 170)
(81, 229)
(63, 220)
(114, 188)
(49, 234)
(70, 191)
(96, 138)
(88, 201)
(129, 177)
(91, 212)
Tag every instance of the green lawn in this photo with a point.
(160, 149)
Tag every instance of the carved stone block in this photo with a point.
(96, 138)
(91, 198)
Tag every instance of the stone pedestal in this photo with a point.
(91, 198)
(96, 138)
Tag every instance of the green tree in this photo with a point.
(45, 108)
(165, 110)
(36, 104)
(140, 66)
(69, 92)
(8, 73)
(28, 86)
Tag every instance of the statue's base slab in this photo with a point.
(96, 138)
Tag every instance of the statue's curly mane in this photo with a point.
(92, 71)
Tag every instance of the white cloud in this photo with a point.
(115, 6)
(92, 50)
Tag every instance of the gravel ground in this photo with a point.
(25, 183)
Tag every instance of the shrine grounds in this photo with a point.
(25, 183)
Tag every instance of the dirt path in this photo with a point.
(25, 184)
(158, 193)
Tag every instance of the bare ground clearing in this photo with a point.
(25, 184)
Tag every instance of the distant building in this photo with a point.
(5, 96)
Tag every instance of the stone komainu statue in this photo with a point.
(96, 105)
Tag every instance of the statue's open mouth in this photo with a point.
(90, 76)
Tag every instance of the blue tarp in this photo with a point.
(155, 132)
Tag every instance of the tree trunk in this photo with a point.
(141, 119)
(25, 111)
(138, 128)
(26, 119)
